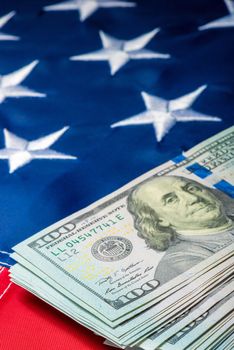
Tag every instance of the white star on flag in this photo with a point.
(20, 152)
(10, 83)
(164, 114)
(118, 52)
(3, 21)
(226, 21)
(87, 7)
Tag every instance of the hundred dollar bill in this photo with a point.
(226, 343)
(116, 257)
(210, 329)
(168, 337)
(220, 264)
(121, 334)
(212, 336)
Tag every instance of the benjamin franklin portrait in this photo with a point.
(182, 217)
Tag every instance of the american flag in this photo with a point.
(94, 93)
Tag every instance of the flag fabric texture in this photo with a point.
(29, 323)
(92, 95)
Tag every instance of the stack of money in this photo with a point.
(150, 265)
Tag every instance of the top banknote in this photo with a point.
(123, 253)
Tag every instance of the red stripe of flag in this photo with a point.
(27, 323)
